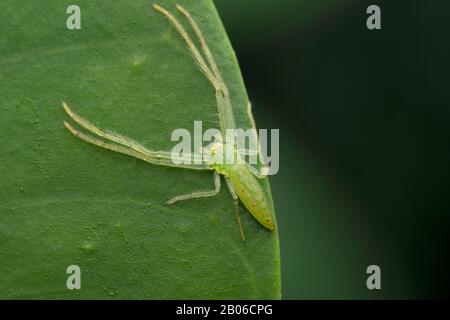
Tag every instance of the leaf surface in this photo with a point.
(65, 202)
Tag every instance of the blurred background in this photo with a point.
(364, 123)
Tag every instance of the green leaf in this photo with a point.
(65, 202)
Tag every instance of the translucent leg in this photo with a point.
(222, 94)
(264, 170)
(126, 145)
(190, 45)
(236, 204)
(199, 194)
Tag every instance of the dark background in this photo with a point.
(364, 123)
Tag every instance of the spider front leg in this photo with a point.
(121, 144)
